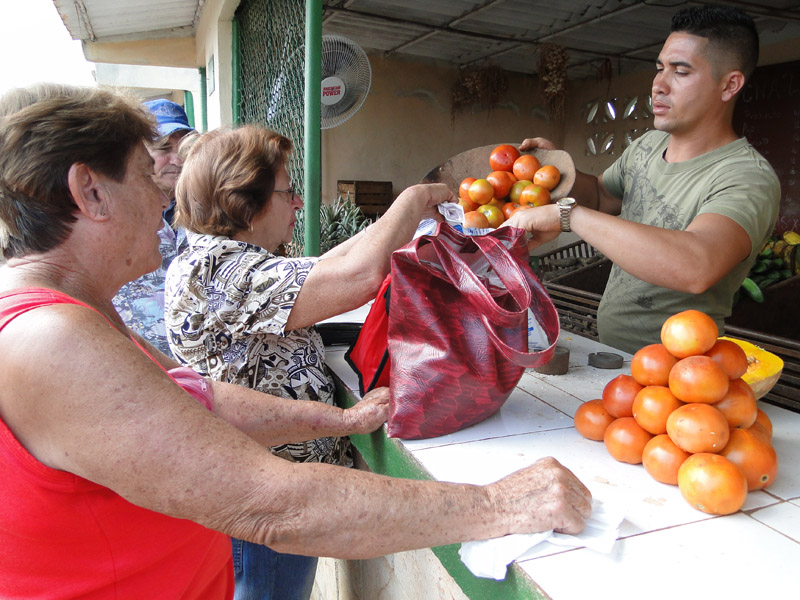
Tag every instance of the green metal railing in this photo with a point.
(271, 42)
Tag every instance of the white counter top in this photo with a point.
(666, 548)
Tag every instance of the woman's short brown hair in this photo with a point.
(228, 178)
(44, 130)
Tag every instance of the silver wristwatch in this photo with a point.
(565, 206)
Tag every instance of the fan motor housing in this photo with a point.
(333, 90)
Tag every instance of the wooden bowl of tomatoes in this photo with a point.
(476, 163)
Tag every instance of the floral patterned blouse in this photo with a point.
(226, 306)
(140, 303)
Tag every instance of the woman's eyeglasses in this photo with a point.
(292, 190)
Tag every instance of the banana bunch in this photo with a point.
(779, 259)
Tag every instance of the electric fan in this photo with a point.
(346, 77)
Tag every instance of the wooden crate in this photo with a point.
(372, 197)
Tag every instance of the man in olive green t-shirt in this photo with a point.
(685, 210)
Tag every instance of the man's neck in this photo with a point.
(684, 147)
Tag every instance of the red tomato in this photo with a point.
(754, 455)
(502, 157)
(463, 189)
(688, 333)
(481, 191)
(508, 209)
(662, 459)
(739, 404)
(618, 395)
(651, 365)
(591, 420)
(652, 406)
(501, 182)
(698, 379)
(625, 440)
(712, 483)
(548, 176)
(534, 195)
(525, 167)
(698, 428)
(763, 420)
(730, 356)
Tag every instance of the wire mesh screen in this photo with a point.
(272, 84)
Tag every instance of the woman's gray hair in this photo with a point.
(44, 130)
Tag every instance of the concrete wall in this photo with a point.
(406, 127)
(214, 52)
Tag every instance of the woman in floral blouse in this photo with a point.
(237, 313)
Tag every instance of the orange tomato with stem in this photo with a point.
(698, 428)
(712, 483)
(662, 459)
(651, 365)
(548, 176)
(625, 440)
(502, 157)
(754, 455)
(688, 333)
(698, 379)
(525, 167)
(652, 406)
(591, 420)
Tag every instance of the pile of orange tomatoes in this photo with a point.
(517, 181)
(685, 414)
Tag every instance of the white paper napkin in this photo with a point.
(490, 558)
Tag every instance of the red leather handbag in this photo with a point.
(458, 328)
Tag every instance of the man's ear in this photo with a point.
(88, 192)
(734, 82)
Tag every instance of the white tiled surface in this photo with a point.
(666, 548)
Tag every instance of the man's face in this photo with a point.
(684, 91)
(167, 164)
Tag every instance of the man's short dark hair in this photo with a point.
(728, 30)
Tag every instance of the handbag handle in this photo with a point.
(465, 280)
(470, 285)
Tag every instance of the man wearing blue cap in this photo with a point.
(140, 303)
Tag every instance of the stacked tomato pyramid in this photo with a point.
(685, 414)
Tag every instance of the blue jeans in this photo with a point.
(262, 574)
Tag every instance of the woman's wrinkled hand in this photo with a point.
(536, 142)
(370, 413)
(542, 497)
(428, 196)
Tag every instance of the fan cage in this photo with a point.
(343, 58)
